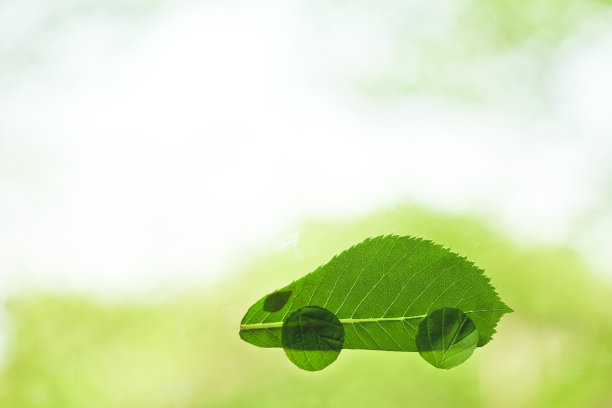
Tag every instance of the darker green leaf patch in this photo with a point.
(276, 301)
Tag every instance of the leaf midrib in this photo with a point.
(276, 325)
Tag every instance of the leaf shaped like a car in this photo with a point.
(380, 290)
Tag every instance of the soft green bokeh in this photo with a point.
(553, 351)
(504, 52)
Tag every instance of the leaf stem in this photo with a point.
(276, 325)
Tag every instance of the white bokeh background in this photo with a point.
(152, 152)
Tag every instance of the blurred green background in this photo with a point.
(184, 350)
(166, 163)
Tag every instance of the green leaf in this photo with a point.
(275, 301)
(446, 338)
(380, 290)
(312, 337)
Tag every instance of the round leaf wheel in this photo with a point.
(312, 337)
(446, 338)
